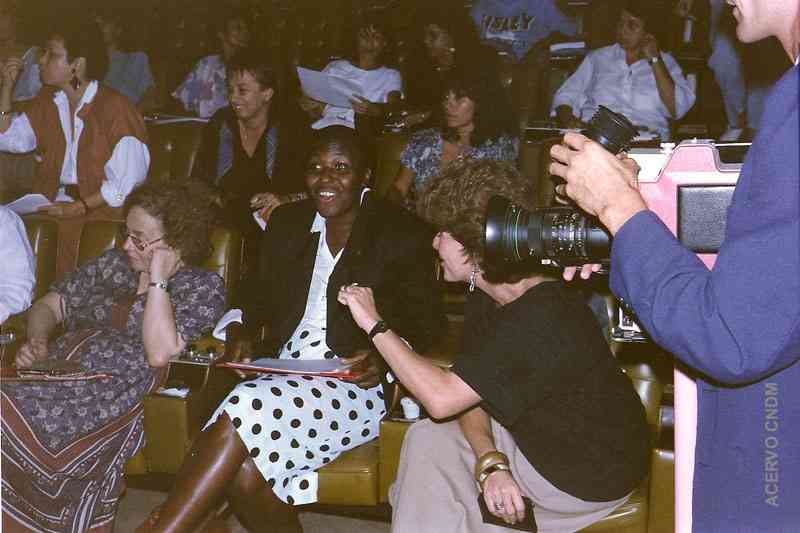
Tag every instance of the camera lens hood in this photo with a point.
(612, 130)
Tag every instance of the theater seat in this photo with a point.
(173, 148)
(43, 236)
(390, 147)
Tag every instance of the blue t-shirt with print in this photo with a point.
(515, 26)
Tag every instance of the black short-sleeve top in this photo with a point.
(544, 371)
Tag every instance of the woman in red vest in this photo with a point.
(90, 140)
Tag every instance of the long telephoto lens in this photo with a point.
(561, 235)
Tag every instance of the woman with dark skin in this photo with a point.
(261, 449)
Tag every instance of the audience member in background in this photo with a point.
(523, 30)
(366, 67)
(89, 172)
(128, 71)
(531, 392)
(246, 152)
(125, 314)
(726, 64)
(632, 77)
(263, 446)
(446, 41)
(516, 27)
(19, 269)
(478, 124)
(204, 90)
(28, 83)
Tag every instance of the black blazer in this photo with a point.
(389, 250)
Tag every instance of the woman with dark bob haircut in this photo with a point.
(530, 392)
(477, 124)
(125, 314)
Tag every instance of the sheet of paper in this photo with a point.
(233, 315)
(301, 365)
(316, 367)
(29, 203)
(332, 90)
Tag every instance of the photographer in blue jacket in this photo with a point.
(737, 325)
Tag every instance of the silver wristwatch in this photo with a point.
(158, 284)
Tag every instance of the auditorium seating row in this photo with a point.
(360, 478)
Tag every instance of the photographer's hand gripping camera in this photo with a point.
(688, 186)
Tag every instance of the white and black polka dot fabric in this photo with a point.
(292, 425)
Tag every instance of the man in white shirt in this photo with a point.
(17, 273)
(632, 77)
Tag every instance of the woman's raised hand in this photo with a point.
(11, 69)
(34, 349)
(361, 303)
(503, 497)
(164, 263)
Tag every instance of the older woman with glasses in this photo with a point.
(125, 315)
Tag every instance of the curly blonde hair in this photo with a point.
(455, 201)
(185, 210)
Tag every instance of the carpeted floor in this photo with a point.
(137, 504)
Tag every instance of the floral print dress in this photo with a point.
(65, 444)
(423, 155)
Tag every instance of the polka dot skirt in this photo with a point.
(292, 425)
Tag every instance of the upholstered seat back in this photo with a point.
(43, 236)
(174, 148)
(390, 147)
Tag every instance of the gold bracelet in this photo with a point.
(487, 460)
(491, 470)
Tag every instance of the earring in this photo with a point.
(75, 82)
(472, 275)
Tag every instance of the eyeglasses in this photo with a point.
(137, 242)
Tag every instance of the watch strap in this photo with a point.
(379, 327)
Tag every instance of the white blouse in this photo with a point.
(18, 271)
(375, 84)
(605, 78)
(126, 168)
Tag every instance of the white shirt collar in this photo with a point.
(319, 222)
(88, 95)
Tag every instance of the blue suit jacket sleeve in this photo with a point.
(736, 323)
(739, 322)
